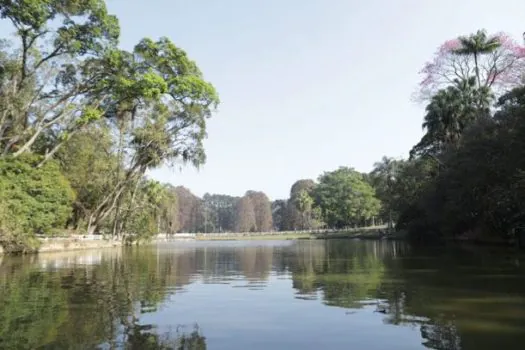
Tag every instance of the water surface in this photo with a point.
(264, 295)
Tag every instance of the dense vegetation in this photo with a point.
(81, 122)
(464, 179)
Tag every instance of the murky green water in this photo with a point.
(264, 295)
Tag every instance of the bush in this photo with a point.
(33, 200)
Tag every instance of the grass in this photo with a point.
(253, 237)
(377, 232)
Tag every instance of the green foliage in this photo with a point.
(66, 86)
(345, 198)
(449, 113)
(34, 200)
(465, 179)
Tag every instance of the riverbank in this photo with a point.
(72, 243)
(69, 244)
(367, 233)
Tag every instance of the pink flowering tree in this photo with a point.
(496, 61)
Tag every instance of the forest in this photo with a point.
(82, 121)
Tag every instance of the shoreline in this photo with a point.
(49, 245)
(75, 243)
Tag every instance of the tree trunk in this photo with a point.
(477, 69)
(27, 146)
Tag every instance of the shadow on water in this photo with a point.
(457, 298)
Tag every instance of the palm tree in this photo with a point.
(476, 45)
(449, 112)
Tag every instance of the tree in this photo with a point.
(383, 179)
(169, 210)
(279, 215)
(221, 211)
(300, 205)
(48, 77)
(163, 92)
(345, 198)
(495, 60)
(32, 201)
(245, 220)
(262, 209)
(188, 209)
(449, 113)
(89, 164)
(476, 45)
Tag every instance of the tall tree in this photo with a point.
(245, 220)
(496, 61)
(169, 210)
(279, 213)
(345, 198)
(476, 45)
(449, 113)
(302, 213)
(383, 178)
(263, 210)
(50, 74)
(189, 209)
(159, 88)
(88, 162)
(221, 210)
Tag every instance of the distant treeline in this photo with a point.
(341, 198)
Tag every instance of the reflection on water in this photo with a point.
(233, 295)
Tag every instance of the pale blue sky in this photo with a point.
(307, 85)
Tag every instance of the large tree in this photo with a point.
(300, 205)
(383, 178)
(345, 199)
(48, 78)
(450, 112)
(245, 218)
(86, 161)
(221, 211)
(262, 209)
(163, 92)
(279, 215)
(496, 61)
(189, 209)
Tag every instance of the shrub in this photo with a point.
(33, 200)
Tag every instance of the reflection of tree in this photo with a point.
(57, 302)
(255, 262)
(77, 307)
(345, 273)
(141, 337)
(452, 296)
(442, 335)
(446, 296)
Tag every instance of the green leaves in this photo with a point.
(89, 115)
(84, 25)
(345, 198)
(36, 200)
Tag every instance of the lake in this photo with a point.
(311, 294)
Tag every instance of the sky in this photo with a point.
(306, 86)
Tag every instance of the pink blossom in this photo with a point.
(427, 81)
(505, 40)
(450, 45)
(519, 51)
(428, 68)
(502, 70)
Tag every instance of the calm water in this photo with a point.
(264, 295)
